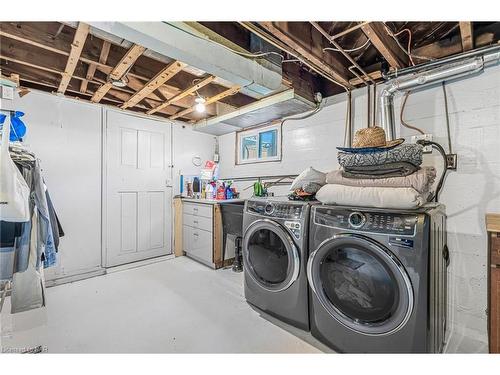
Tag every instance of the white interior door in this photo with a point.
(138, 189)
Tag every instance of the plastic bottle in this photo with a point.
(221, 192)
(229, 192)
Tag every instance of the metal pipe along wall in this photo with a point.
(457, 69)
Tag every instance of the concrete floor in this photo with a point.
(173, 306)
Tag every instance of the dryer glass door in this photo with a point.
(270, 255)
(361, 284)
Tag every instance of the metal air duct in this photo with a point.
(457, 69)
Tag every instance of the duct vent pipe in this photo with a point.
(460, 69)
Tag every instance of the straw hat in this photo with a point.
(371, 139)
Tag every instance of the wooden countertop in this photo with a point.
(493, 222)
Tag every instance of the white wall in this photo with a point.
(309, 142)
(469, 192)
(66, 135)
(188, 144)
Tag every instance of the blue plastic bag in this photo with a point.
(17, 126)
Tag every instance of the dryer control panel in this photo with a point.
(367, 221)
(279, 210)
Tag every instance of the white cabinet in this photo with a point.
(198, 232)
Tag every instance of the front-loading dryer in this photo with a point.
(378, 279)
(275, 253)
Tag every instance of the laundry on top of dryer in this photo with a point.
(379, 173)
(306, 185)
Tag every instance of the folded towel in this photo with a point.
(421, 180)
(399, 169)
(407, 152)
(381, 197)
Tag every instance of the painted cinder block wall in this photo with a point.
(469, 192)
(66, 135)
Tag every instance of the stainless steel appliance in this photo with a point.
(274, 258)
(378, 279)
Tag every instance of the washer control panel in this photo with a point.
(294, 227)
(279, 210)
(367, 221)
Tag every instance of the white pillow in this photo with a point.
(308, 176)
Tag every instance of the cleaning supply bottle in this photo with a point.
(229, 191)
(221, 192)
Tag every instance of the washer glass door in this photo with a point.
(361, 284)
(270, 255)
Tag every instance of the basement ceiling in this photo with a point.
(79, 61)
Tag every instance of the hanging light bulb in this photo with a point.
(200, 104)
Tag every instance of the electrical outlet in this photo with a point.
(427, 137)
(451, 161)
(7, 93)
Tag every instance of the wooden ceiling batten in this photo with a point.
(385, 44)
(183, 94)
(103, 57)
(231, 91)
(119, 70)
(467, 35)
(155, 82)
(74, 56)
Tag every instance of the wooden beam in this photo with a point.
(385, 44)
(74, 56)
(231, 91)
(334, 69)
(103, 57)
(119, 70)
(127, 61)
(183, 94)
(376, 75)
(30, 35)
(467, 36)
(163, 76)
(43, 68)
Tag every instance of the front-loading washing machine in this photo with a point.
(378, 279)
(274, 258)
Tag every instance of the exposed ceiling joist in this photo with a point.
(119, 70)
(376, 75)
(103, 57)
(183, 94)
(385, 44)
(26, 35)
(231, 91)
(46, 69)
(74, 56)
(163, 76)
(467, 35)
(337, 72)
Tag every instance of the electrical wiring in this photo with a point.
(348, 50)
(403, 122)
(279, 44)
(408, 48)
(447, 117)
(438, 147)
(408, 51)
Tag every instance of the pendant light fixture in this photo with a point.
(200, 104)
